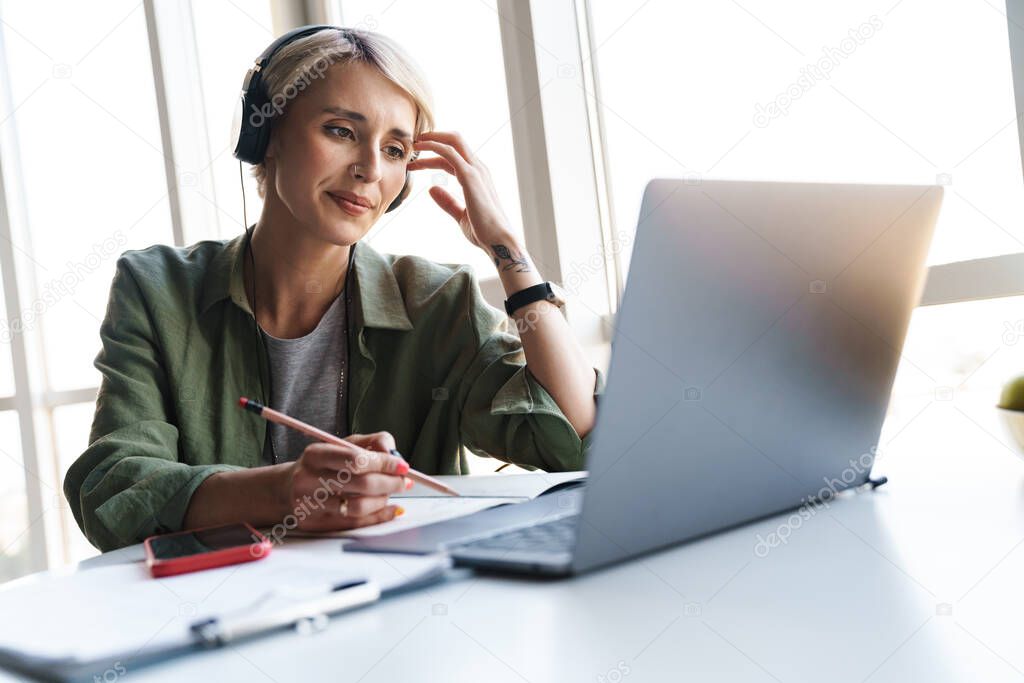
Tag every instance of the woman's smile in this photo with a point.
(347, 206)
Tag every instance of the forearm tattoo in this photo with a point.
(515, 262)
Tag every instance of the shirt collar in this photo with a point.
(379, 295)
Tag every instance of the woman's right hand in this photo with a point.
(335, 487)
(307, 493)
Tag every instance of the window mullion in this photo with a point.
(984, 278)
(180, 109)
(22, 389)
(548, 118)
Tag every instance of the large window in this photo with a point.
(869, 92)
(955, 361)
(115, 134)
(463, 62)
(80, 134)
(222, 58)
(877, 92)
(85, 156)
(83, 169)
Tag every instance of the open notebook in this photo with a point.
(478, 492)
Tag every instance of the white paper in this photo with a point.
(108, 611)
(529, 485)
(418, 512)
(478, 492)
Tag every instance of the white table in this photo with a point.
(920, 580)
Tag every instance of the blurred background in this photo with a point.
(115, 134)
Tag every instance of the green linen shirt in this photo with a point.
(430, 361)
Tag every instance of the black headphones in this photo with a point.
(257, 112)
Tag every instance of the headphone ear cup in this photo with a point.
(257, 116)
(245, 148)
(406, 189)
(257, 120)
(261, 141)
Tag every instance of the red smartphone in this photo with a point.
(195, 549)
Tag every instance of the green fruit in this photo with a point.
(1013, 394)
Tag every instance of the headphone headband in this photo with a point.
(254, 133)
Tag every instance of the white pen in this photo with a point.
(217, 631)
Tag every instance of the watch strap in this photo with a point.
(531, 294)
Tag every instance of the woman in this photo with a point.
(390, 352)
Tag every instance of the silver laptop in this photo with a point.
(752, 362)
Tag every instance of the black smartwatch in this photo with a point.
(548, 291)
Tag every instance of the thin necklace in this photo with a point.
(345, 292)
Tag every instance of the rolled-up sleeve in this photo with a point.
(130, 483)
(506, 413)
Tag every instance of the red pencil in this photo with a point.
(282, 419)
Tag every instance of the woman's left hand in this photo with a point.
(482, 220)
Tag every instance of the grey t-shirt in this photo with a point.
(305, 373)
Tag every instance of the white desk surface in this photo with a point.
(922, 580)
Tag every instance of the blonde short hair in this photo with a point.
(290, 69)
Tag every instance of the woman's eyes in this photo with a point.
(401, 152)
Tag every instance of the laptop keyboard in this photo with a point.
(556, 536)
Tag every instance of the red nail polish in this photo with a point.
(409, 483)
(402, 467)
